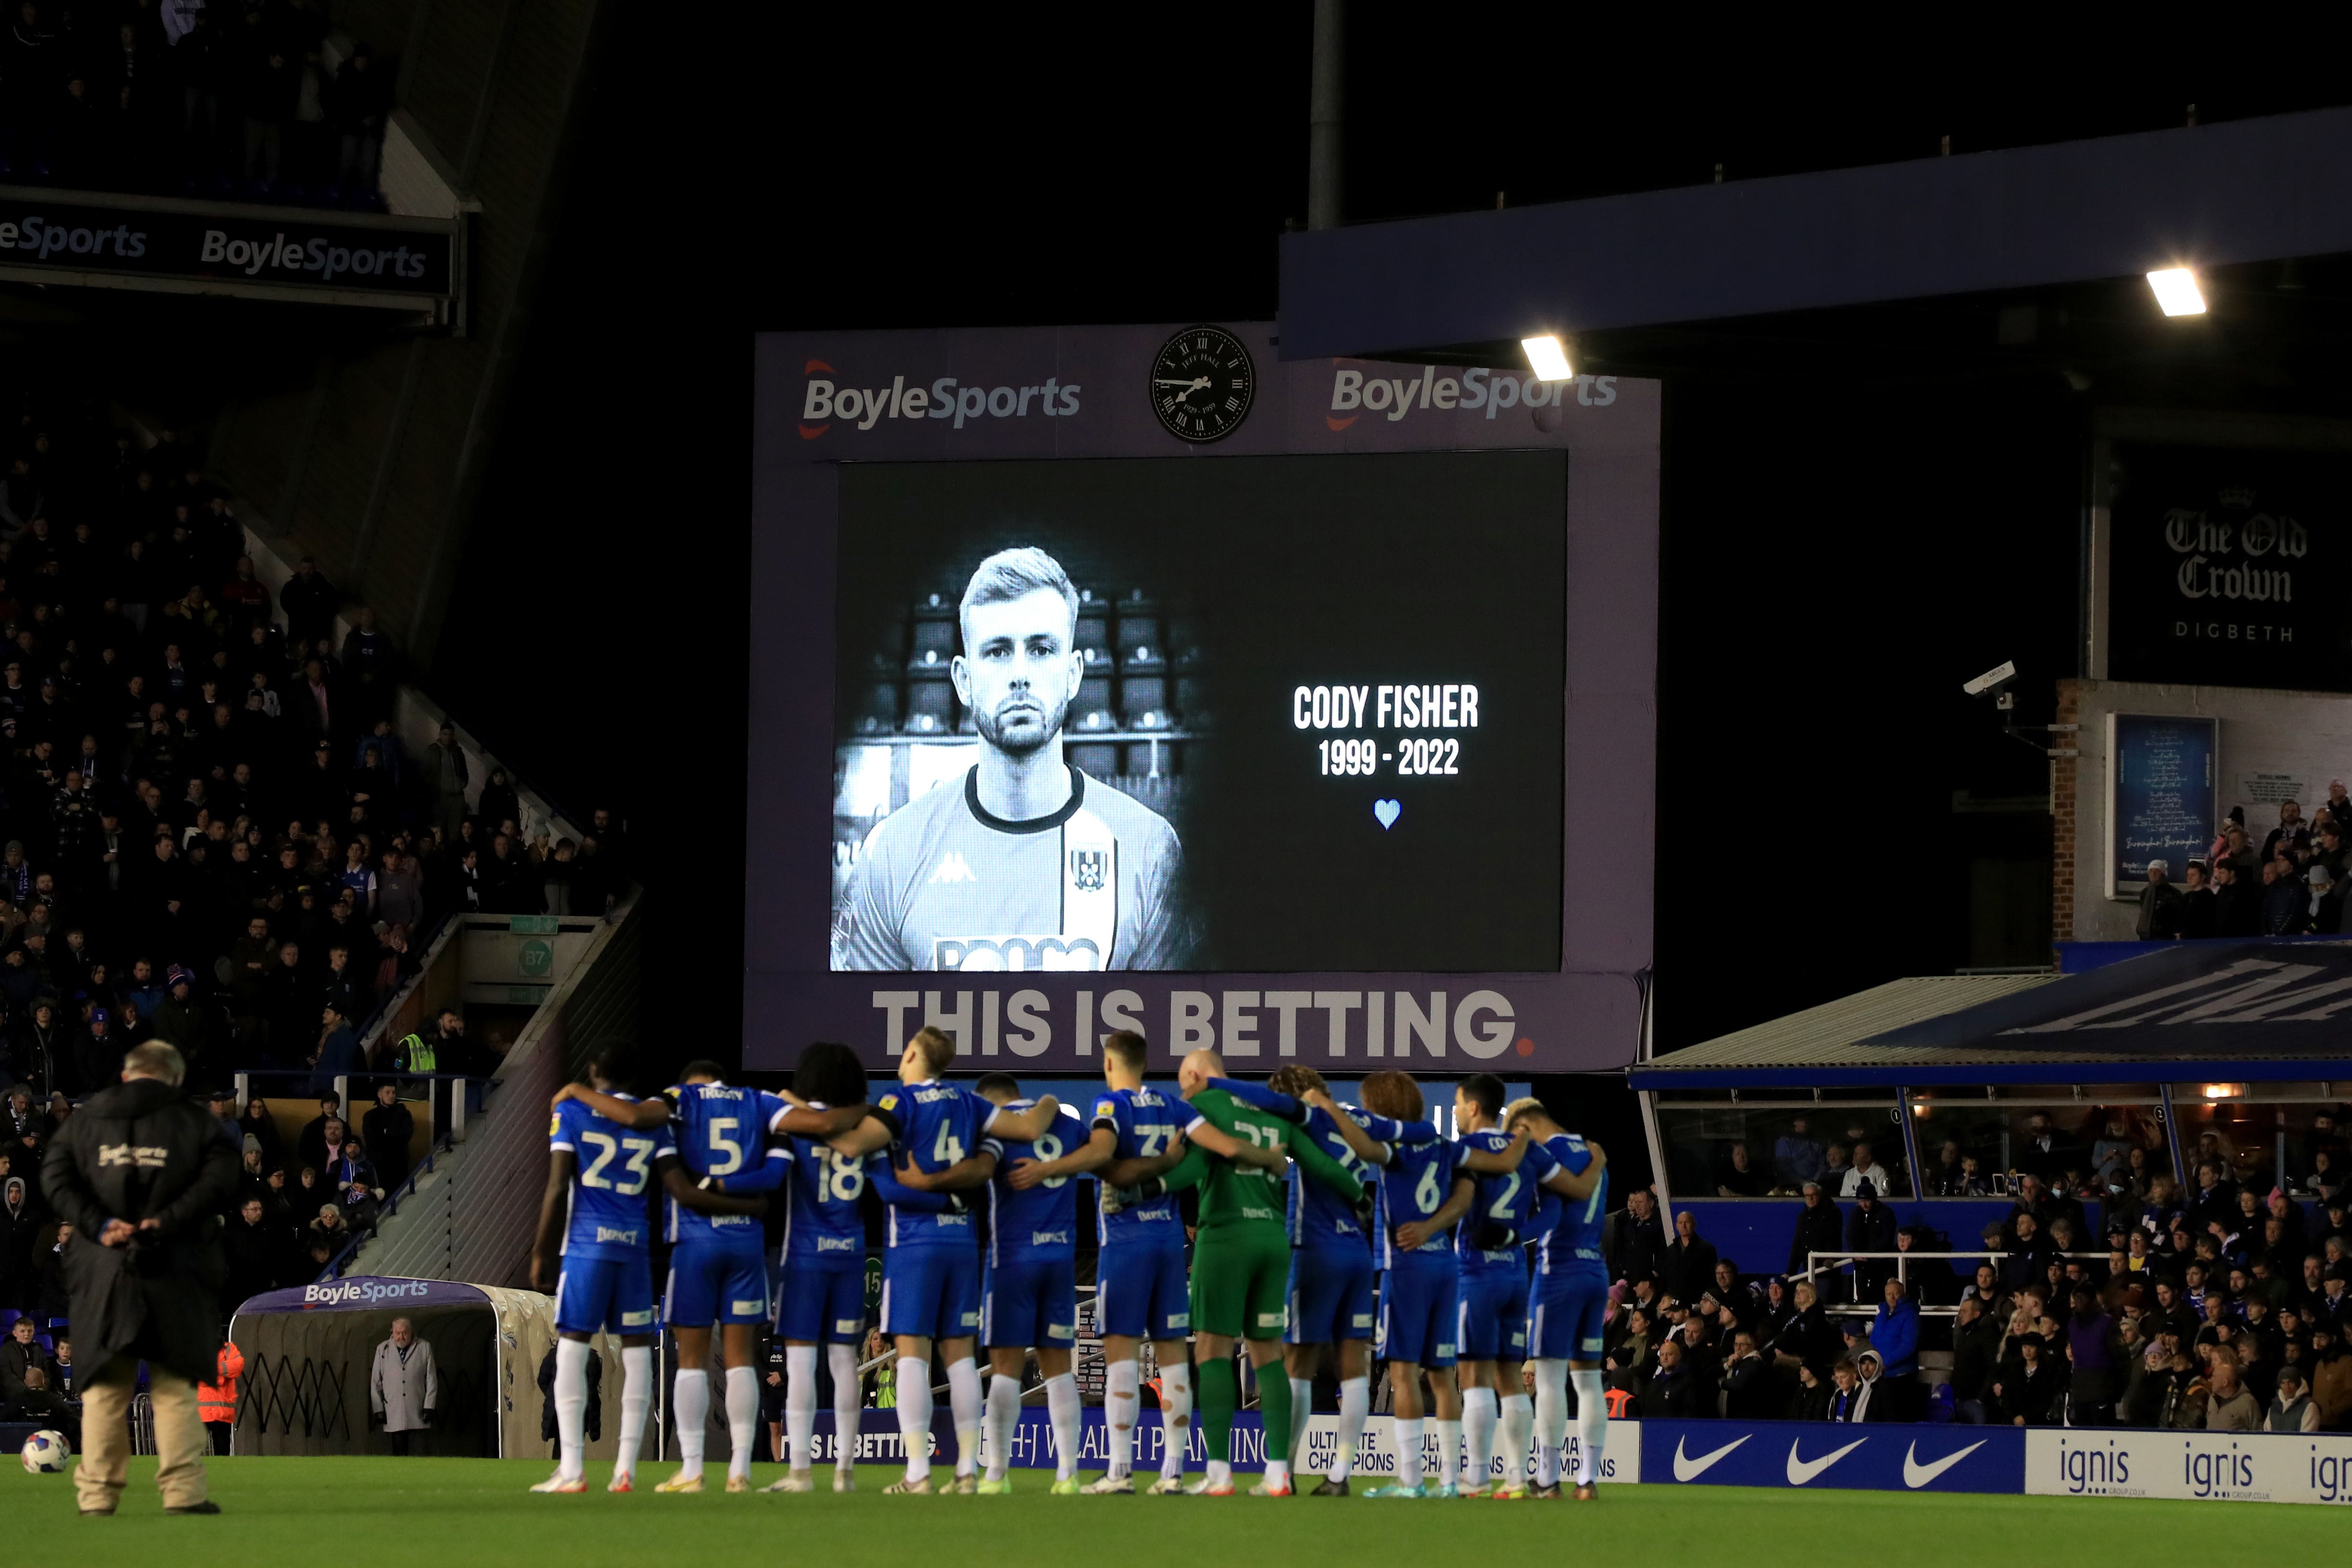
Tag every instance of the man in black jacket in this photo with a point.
(1634, 1238)
(1749, 1392)
(1687, 1267)
(1976, 1352)
(142, 1174)
(1819, 1228)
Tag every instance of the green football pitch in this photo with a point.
(453, 1513)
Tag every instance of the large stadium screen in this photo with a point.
(1322, 729)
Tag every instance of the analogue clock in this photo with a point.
(1201, 384)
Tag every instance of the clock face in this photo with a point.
(1201, 384)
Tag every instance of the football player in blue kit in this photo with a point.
(1570, 1302)
(930, 1267)
(718, 1271)
(1029, 1294)
(1141, 1291)
(593, 1214)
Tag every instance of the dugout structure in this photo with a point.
(309, 1352)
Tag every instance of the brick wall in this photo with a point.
(2062, 772)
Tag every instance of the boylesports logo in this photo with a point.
(146, 1156)
(1015, 955)
(826, 403)
(953, 868)
(361, 1292)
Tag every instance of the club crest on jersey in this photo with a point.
(1089, 869)
(1017, 954)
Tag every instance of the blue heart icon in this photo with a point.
(1388, 811)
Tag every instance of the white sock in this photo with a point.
(800, 1403)
(1408, 1451)
(1518, 1420)
(742, 1417)
(1121, 1382)
(1302, 1407)
(1592, 1426)
(1449, 1451)
(1551, 1419)
(848, 1400)
(1355, 1408)
(914, 1390)
(1479, 1416)
(690, 1412)
(1003, 1414)
(1175, 1417)
(1068, 1414)
(966, 1401)
(1221, 1474)
(572, 1359)
(637, 1391)
(1277, 1472)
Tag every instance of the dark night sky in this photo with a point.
(1840, 555)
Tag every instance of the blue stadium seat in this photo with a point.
(1096, 759)
(1090, 712)
(930, 701)
(1144, 701)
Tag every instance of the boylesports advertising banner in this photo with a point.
(280, 248)
(1136, 678)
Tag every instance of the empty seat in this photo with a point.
(1143, 701)
(1098, 759)
(1138, 634)
(930, 701)
(879, 714)
(1191, 691)
(1094, 634)
(1090, 712)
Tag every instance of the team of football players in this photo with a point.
(1475, 1255)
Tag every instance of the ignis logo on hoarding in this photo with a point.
(827, 403)
(252, 256)
(356, 1292)
(2093, 1470)
(1354, 392)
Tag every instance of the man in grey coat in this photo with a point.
(404, 1386)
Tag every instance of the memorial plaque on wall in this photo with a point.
(2160, 803)
(2231, 567)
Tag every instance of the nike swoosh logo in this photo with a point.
(1916, 1474)
(1690, 1469)
(1804, 1470)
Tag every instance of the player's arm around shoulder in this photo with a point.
(639, 1114)
(1320, 1167)
(1089, 1158)
(1576, 1183)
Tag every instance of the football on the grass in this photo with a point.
(46, 1453)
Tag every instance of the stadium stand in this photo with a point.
(267, 102)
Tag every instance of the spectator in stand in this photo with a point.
(1894, 1338)
(2159, 905)
(1748, 1392)
(1687, 1267)
(1738, 1178)
(2030, 1390)
(1865, 1169)
(2291, 1409)
(387, 1130)
(2198, 913)
(2237, 900)
(1797, 1155)
(1850, 1401)
(2094, 1358)
(1633, 1241)
(359, 102)
(1676, 1391)
(1818, 1228)
(339, 1054)
(2230, 1407)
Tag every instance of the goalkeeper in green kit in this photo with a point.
(1240, 1260)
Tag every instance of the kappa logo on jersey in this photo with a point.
(1017, 954)
(953, 868)
(1089, 868)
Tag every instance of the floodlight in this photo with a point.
(2177, 293)
(1547, 357)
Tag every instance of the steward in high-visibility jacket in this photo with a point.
(415, 1054)
(216, 1400)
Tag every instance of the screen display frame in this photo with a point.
(826, 399)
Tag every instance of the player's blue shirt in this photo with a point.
(1571, 1248)
(934, 1125)
(1414, 1184)
(1040, 1226)
(1321, 1218)
(1507, 1200)
(722, 1131)
(1145, 1121)
(824, 1223)
(613, 1166)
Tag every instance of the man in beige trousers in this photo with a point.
(142, 1174)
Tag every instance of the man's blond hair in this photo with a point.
(155, 1059)
(938, 1048)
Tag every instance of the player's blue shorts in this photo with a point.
(611, 1294)
(1493, 1322)
(1026, 1305)
(821, 1306)
(1417, 1310)
(931, 1291)
(1141, 1294)
(1334, 1295)
(720, 1284)
(1565, 1320)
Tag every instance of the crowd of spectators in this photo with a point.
(245, 101)
(2226, 1308)
(2294, 884)
(210, 835)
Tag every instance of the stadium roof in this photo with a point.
(2111, 207)
(2237, 1011)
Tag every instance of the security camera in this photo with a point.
(2005, 670)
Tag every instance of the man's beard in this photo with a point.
(992, 730)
